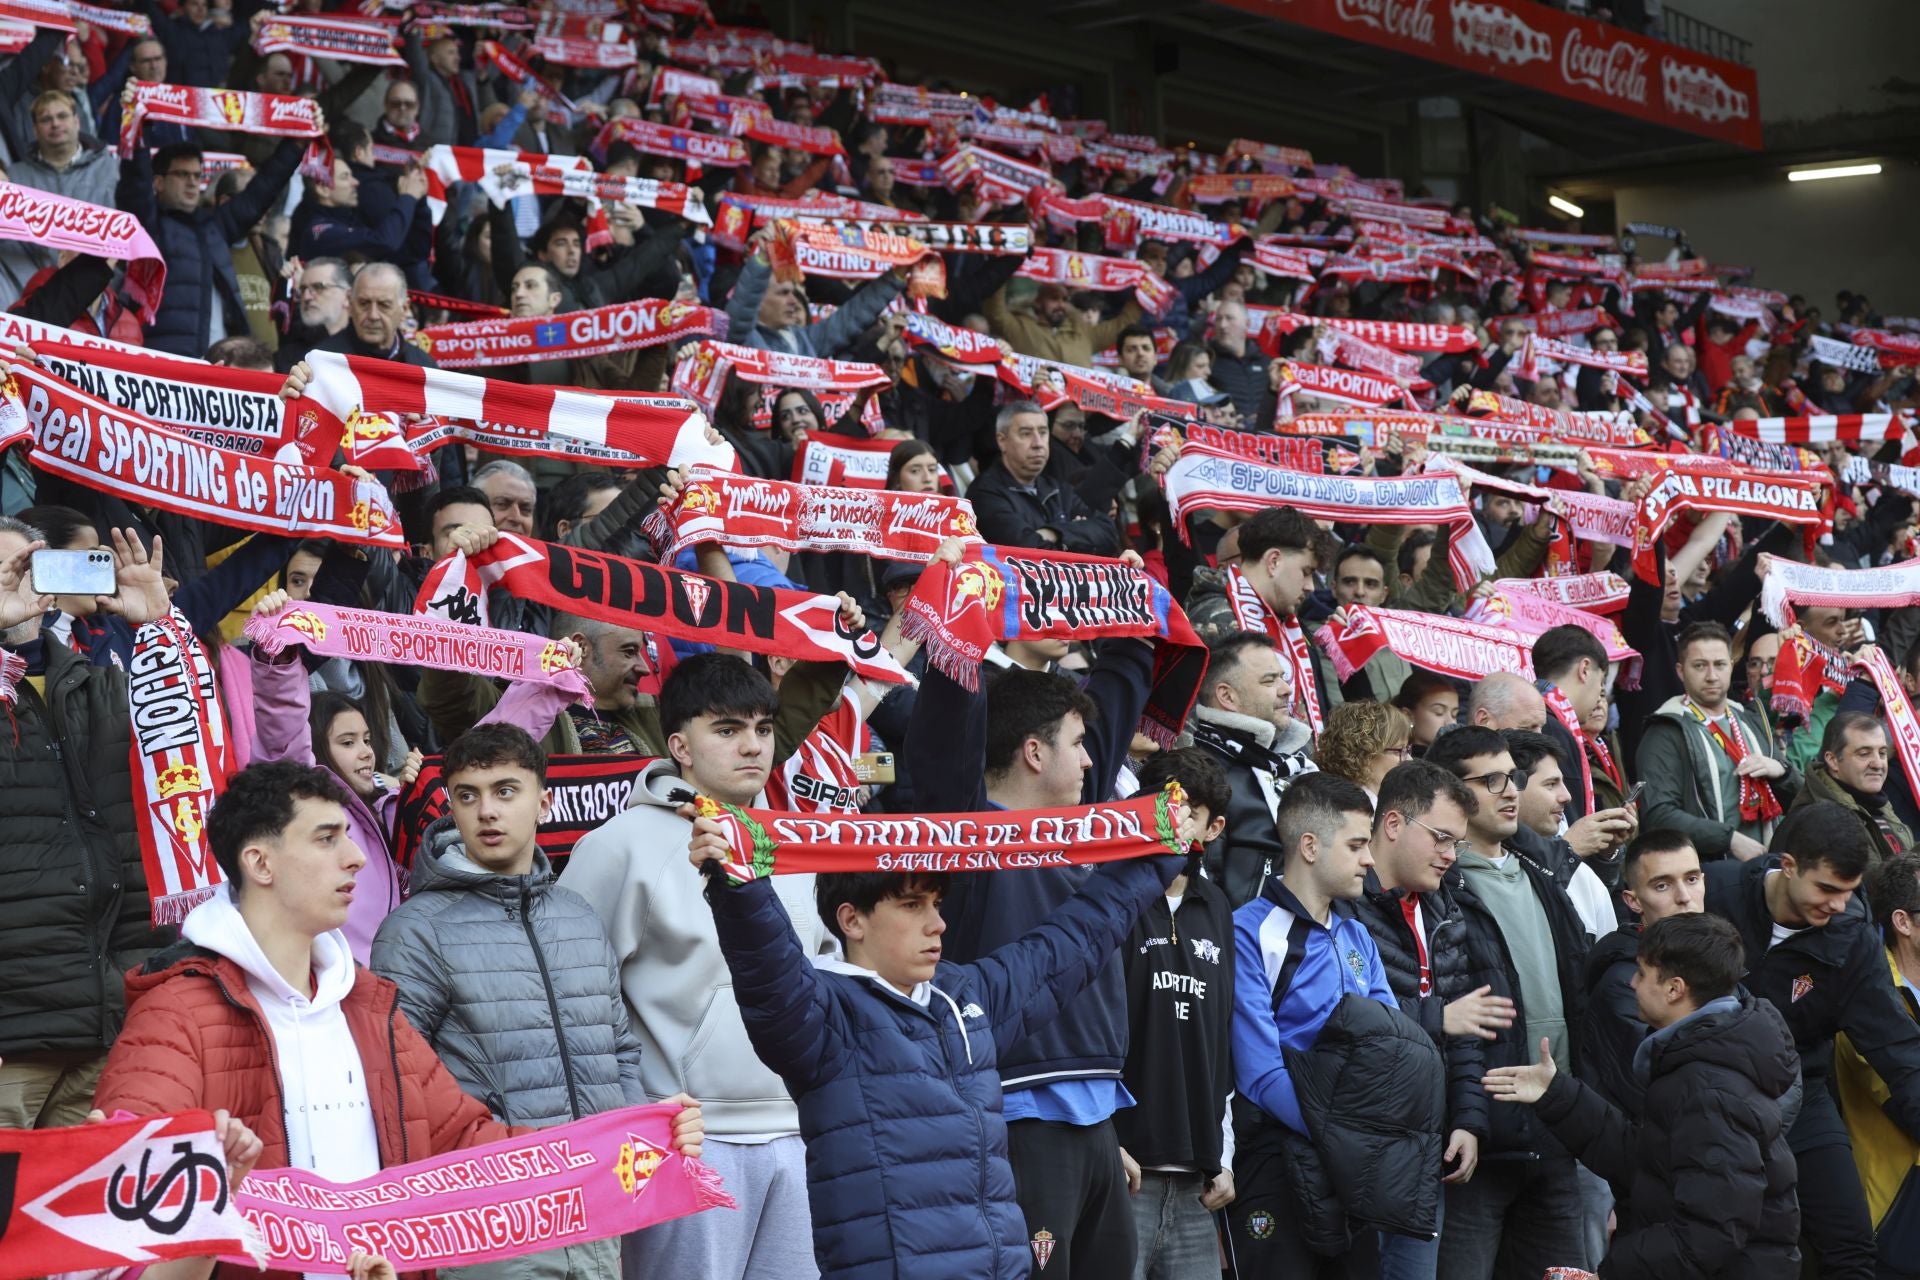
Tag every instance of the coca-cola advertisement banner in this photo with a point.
(1530, 44)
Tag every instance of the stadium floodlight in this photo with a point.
(1567, 207)
(1834, 171)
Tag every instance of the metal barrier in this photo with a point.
(1689, 32)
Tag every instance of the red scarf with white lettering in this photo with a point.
(1556, 324)
(1788, 499)
(800, 249)
(1595, 592)
(343, 39)
(742, 511)
(1250, 613)
(1538, 348)
(619, 326)
(696, 150)
(702, 373)
(767, 842)
(1101, 275)
(1903, 727)
(656, 599)
(1009, 593)
(181, 760)
(276, 115)
(1342, 386)
(1757, 801)
(1452, 646)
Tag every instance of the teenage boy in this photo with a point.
(1419, 829)
(1309, 984)
(1706, 1169)
(1179, 965)
(717, 715)
(893, 1054)
(1811, 950)
(260, 1011)
(511, 979)
(1660, 877)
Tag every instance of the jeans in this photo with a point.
(1404, 1258)
(1514, 1220)
(1176, 1234)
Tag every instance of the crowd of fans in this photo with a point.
(1610, 966)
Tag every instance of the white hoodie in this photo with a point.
(323, 1085)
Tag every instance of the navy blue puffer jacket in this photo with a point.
(899, 1100)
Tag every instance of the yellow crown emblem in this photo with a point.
(179, 779)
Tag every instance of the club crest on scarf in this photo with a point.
(638, 1161)
(976, 585)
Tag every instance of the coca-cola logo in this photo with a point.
(1617, 70)
(1408, 19)
(1700, 92)
(1494, 31)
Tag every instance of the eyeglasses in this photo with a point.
(195, 175)
(1497, 783)
(1444, 837)
(1402, 752)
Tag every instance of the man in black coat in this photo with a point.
(1707, 1169)
(1018, 504)
(201, 302)
(1419, 825)
(1811, 951)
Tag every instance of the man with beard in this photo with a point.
(320, 303)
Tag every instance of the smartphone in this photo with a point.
(1633, 794)
(874, 767)
(73, 573)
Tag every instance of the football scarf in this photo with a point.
(997, 239)
(1581, 239)
(1757, 800)
(1107, 393)
(1769, 497)
(107, 448)
(1213, 188)
(57, 222)
(1822, 428)
(813, 139)
(949, 342)
(1593, 592)
(581, 183)
(573, 335)
(800, 249)
(1756, 455)
(584, 791)
(702, 373)
(1291, 264)
(129, 1193)
(1205, 480)
(844, 462)
(1451, 646)
(1903, 727)
(612, 50)
(553, 1188)
(1590, 748)
(1804, 670)
(1593, 517)
(1556, 324)
(1537, 348)
(769, 843)
(1268, 153)
(1289, 453)
(365, 635)
(1102, 275)
(60, 15)
(342, 39)
(180, 763)
(1894, 348)
(1007, 593)
(662, 430)
(694, 149)
(1250, 613)
(1788, 582)
(996, 178)
(1607, 430)
(508, 64)
(741, 511)
(656, 599)
(1342, 386)
(493, 169)
(1843, 355)
(234, 110)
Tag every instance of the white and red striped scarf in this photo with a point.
(60, 222)
(743, 511)
(343, 39)
(1594, 592)
(664, 430)
(273, 114)
(1821, 428)
(1208, 479)
(1773, 497)
(1903, 727)
(702, 372)
(1537, 348)
(181, 760)
(492, 169)
(1250, 613)
(1102, 275)
(619, 326)
(1893, 586)
(1434, 641)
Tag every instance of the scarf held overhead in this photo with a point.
(619, 326)
(741, 511)
(39, 217)
(767, 842)
(1771, 497)
(1463, 650)
(276, 115)
(655, 599)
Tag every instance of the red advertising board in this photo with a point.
(1530, 44)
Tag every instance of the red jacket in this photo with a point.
(1716, 358)
(195, 1037)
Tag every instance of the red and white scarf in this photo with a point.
(612, 50)
(996, 178)
(695, 149)
(1772, 497)
(1537, 348)
(342, 39)
(181, 761)
(1398, 335)
(843, 461)
(109, 1199)
(1203, 479)
(580, 183)
(1214, 188)
(103, 447)
(702, 373)
(1556, 324)
(510, 65)
(273, 114)
(489, 167)
(656, 599)
(365, 635)
(813, 139)
(619, 326)
(1251, 613)
(1451, 646)
(1290, 264)
(1102, 275)
(1893, 586)
(1593, 517)
(665, 430)
(996, 239)
(1805, 670)
(1102, 391)
(674, 82)
(1533, 613)
(1896, 708)
(1757, 800)
(949, 342)
(1823, 428)
(58, 222)
(1268, 153)
(1342, 386)
(1591, 749)
(1289, 453)
(1608, 430)
(740, 214)
(800, 249)
(1581, 239)
(1593, 592)
(1757, 455)
(741, 511)
(1894, 348)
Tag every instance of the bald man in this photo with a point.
(377, 314)
(1507, 701)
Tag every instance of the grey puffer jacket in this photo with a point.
(487, 965)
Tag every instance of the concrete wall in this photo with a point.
(1803, 237)
(1819, 58)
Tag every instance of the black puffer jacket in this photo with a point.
(1710, 1177)
(73, 891)
(1446, 944)
(1372, 1092)
(1260, 764)
(1611, 1030)
(1514, 1132)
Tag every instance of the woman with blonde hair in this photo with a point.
(1361, 742)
